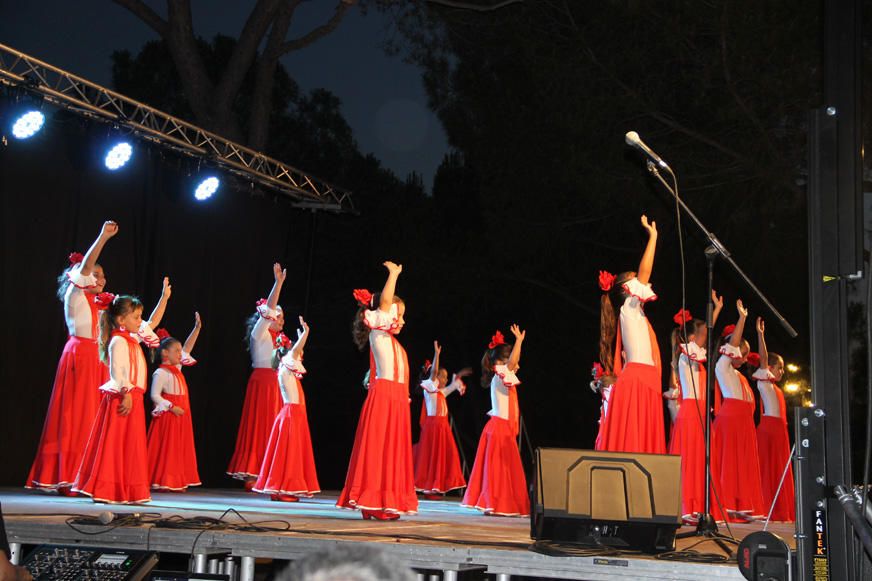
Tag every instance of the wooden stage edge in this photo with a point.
(441, 537)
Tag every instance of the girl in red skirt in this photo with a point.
(262, 397)
(497, 484)
(773, 444)
(288, 469)
(634, 422)
(735, 465)
(172, 458)
(437, 463)
(602, 383)
(75, 395)
(115, 462)
(380, 479)
(688, 434)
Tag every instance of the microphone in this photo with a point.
(633, 140)
(106, 517)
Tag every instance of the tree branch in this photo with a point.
(189, 62)
(321, 31)
(146, 14)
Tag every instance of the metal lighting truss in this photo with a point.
(89, 99)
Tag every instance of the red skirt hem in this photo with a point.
(262, 403)
(436, 461)
(634, 422)
(172, 458)
(773, 446)
(735, 464)
(497, 484)
(289, 463)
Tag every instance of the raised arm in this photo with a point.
(109, 230)
(647, 262)
(157, 314)
(279, 276)
(761, 344)
(718, 302)
(302, 337)
(387, 295)
(195, 332)
(434, 367)
(515, 356)
(736, 339)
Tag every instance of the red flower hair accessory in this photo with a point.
(496, 340)
(76, 258)
(104, 299)
(754, 359)
(260, 303)
(283, 341)
(162, 333)
(682, 317)
(597, 372)
(728, 330)
(363, 297)
(606, 280)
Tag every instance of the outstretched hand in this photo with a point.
(392, 267)
(279, 273)
(743, 312)
(304, 327)
(198, 322)
(761, 326)
(717, 300)
(517, 332)
(651, 227)
(437, 348)
(109, 230)
(167, 289)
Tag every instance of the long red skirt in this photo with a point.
(289, 464)
(735, 465)
(688, 441)
(75, 398)
(437, 464)
(773, 447)
(115, 462)
(263, 400)
(497, 484)
(172, 459)
(380, 473)
(634, 422)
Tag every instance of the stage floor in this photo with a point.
(442, 536)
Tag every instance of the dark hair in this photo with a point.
(681, 334)
(64, 280)
(119, 307)
(250, 322)
(773, 358)
(165, 344)
(359, 330)
(277, 355)
(489, 359)
(608, 321)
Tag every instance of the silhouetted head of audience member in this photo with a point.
(352, 562)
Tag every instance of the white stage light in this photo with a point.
(118, 156)
(28, 124)
(206, 188)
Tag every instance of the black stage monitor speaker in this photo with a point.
(616, 499)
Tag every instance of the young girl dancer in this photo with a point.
(437, 463)
(688, 434)
(634, 422)
(735, 465)
(115, 463)
(288, 469)
(602, 383)
(380, 479)
(773, 444)
(172, 459)
(497, 485)
(262, 396)
(75, 395)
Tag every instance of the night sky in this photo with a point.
(382, 97)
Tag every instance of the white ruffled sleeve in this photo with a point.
(267, 313)
(455, 385)
(430, 386)
(763, 375)
(119, 367)
(295, 366)
(159, 380)
(508, 378)
(693, 351)
(379, 320)
(641, 292)
(147, 336)
(187, 359)
(731, 351)
(79, 280)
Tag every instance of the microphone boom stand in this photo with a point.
(707, 527)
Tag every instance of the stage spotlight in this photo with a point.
(118, 156)
(791, 387)
(792, 367)
(206, 188)
(28, 124)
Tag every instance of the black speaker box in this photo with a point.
(616, 499)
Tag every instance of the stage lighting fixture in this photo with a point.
(118, 156)
(28, 124)
(206, 188)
